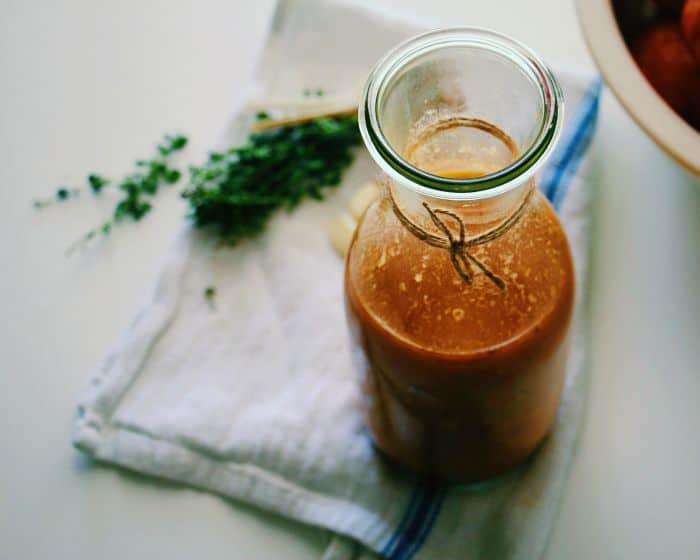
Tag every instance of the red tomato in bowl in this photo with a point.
(690, 22)
(669, 7)
(665, 58)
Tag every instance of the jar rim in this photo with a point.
(493, 184)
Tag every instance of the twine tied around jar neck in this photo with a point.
(458, 245)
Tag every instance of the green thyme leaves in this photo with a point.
(236, 191)
(139, 187)
(97, 182)
(210, 296)
(62, 194)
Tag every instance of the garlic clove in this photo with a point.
(341, 231)
(361, 200)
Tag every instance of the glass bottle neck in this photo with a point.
(476, 215)
(462, 115)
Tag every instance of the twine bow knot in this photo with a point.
(458, 245)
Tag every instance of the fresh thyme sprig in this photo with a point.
(210, 296)
(62, 194)
(236, 191)
(136, 188)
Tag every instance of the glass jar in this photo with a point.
(459, 281)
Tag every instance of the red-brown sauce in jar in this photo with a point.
(460, 380)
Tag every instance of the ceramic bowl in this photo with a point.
(605, 25)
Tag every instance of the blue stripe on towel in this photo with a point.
(412, 545)
(416, 523)
(427, 498)
(567, 157)
(413, 505)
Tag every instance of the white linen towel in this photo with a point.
(254, 398)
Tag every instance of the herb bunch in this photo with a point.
(137, 187)
(236, 191)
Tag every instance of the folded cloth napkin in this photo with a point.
(252, 396)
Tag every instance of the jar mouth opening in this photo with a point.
(530, 158)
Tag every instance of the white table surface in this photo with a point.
(90, 85)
